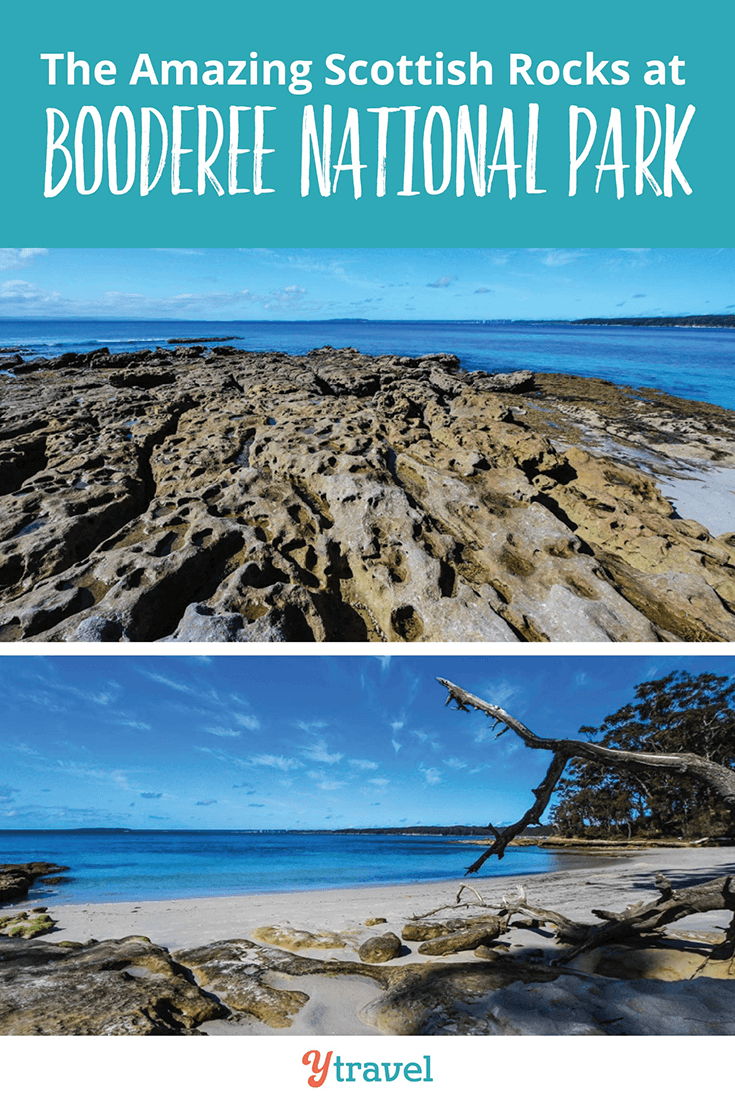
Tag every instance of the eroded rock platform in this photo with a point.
(218, 495)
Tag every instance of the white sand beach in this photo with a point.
(337, 1005)
(185, 923)
(704, 495)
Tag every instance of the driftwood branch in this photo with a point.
(718, 777)
(646, 918)
(469, 888)
(567, 929)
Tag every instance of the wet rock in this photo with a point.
(16, 880)
(514, 382)
(257, 497)
(287, 938)
(377, 950)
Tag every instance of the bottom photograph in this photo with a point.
(374, 845)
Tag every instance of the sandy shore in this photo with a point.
(185, 923)
(704, 495)
(346, 1006)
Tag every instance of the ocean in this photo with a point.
(688, 362)
(123, 866)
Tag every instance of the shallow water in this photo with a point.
(136, 865)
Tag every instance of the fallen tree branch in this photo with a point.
(567, 929)
(645, 918)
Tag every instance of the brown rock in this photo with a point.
(425, 931)
(240, 497)
(27, 925)
(375, 921)
(287, 938)
(229, 969)
(484, 952)
(16, 880)
(377, 950)
(484, 934)
(110, 988)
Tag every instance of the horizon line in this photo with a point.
(382, 321)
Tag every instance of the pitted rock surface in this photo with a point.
(124, 987)
(130, 986)
(217, 495)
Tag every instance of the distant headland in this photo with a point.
(690, 321)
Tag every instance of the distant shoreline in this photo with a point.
(720, 321)
(702, 321)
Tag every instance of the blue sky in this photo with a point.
(262, 742)
(293, 284)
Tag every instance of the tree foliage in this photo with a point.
(679, 713)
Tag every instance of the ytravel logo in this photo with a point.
(353, 1071)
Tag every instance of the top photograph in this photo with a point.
(367, 445)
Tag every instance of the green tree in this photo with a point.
(677, 714)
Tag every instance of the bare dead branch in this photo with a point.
(543, 794)
(643, 918)
(469, 888)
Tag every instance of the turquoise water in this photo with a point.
(180, 864)
(690, 363)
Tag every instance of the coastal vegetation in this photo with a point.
(665, 761)
(699, 321)
(677, 714)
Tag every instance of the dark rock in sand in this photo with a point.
(233, 972)
(377, 950)
(337, 497)
(484, 952)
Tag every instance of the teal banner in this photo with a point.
(390, 124)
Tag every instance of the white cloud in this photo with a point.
(251, 722)
(363, 763)
(136, 724)
(318, 752)
(222, 732)
(431, 775)
(275, 761)
(18, 258)
(559, 258)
